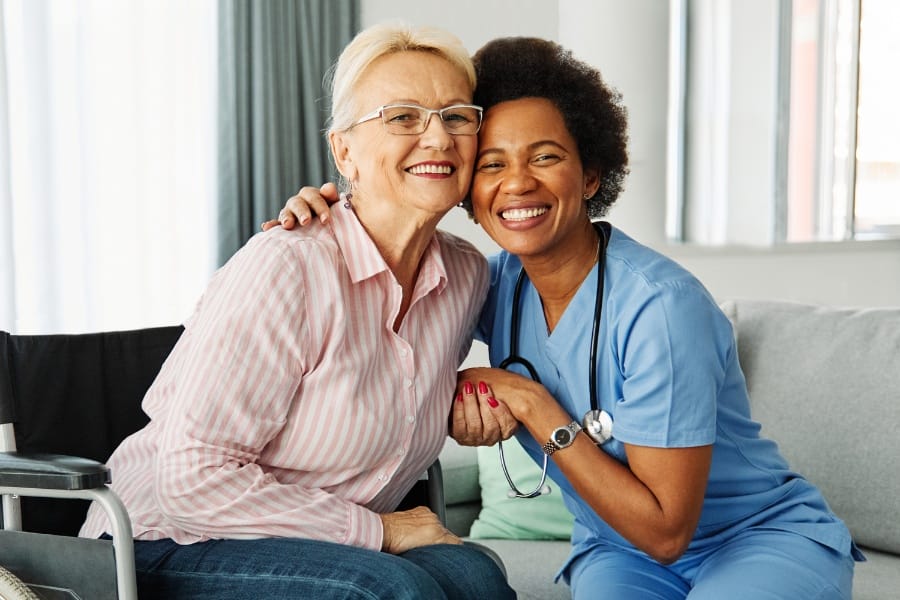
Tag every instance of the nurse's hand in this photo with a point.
(407, 529)
(301, 207)
(477, 418)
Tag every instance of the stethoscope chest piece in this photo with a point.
(597, 424)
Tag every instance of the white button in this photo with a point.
(407, 382)
(403, 352)
(381, 477)
(401, 452)
(410, 419)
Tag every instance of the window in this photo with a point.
(107, 139)
(783, 125)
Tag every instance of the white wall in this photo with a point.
(628, 42)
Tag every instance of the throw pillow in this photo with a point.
(542, 518)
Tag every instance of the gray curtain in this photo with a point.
(273, 56)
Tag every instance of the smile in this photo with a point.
(521, 214)
(430, 169)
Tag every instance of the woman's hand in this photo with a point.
(301, 207)
(409, 529)
(478, 418)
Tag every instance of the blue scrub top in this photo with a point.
(668, 373)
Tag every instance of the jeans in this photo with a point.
(287, 568)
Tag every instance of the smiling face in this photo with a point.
(429, 172)
(529, 185)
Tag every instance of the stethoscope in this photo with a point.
(597, 423)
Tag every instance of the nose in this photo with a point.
(518, 180)
(435, 134)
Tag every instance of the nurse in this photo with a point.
(686, 500)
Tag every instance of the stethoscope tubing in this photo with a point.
(515, 359)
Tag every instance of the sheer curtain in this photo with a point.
(107, 162)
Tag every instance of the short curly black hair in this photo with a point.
(511, 68)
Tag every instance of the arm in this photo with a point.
(654, 501)
(300, 207)
(230, 392)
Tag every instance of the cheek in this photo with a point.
(480, 191)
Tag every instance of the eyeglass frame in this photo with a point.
(379, 113)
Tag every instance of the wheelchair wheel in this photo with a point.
(12, 588)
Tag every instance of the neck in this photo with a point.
(401, 240)
(557, 276)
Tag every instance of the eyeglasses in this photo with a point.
(411, 119)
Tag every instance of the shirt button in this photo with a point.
(403, 352)
(407, 382)
(381, 477)
(401, 452)
(410, 419)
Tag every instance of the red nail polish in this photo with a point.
(468, 388)
(492, 403)
(459, 397)
(482, 387)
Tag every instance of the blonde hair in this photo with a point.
(381, 40)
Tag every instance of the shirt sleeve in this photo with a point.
(672, 348)
(229, 391)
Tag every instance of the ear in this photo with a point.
(339, 141)
(591, 182)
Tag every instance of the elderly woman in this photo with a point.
(275, 458)
(641, 412)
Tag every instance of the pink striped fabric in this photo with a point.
(289, 407)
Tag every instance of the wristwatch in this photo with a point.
(562, 437)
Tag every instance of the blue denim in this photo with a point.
(287, 568)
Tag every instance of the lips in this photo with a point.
(522, 214)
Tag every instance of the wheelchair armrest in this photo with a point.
(51, 471)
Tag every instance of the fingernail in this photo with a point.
(482, 387)
(492, 403)
(304, 220)
(468, 388)
(459, 397)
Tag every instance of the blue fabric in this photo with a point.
(290, 568)
(669, 375)
(753, 565)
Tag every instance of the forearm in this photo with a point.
(658, 519)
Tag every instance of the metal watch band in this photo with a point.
(552, 446)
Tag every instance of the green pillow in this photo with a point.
(542, 518)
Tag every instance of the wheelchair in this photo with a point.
(66, 402)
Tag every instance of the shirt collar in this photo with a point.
(364, 260)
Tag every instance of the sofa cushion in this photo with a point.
(542, 518)
(459, 465)
(825, 384)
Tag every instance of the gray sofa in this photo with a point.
(825, 384)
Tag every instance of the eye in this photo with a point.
(401, 115)
(456, 117)
(490, 166)
(547, 159)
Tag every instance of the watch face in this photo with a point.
(562, 437)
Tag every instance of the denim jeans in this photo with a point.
(286, 568)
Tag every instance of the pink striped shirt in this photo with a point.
(289, 407)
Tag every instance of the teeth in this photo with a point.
(520, 214)
(431, 169)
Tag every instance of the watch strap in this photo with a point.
(551, 446)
